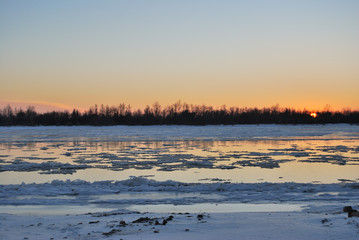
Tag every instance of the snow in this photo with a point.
(150, 206)
(85, 192)
(276, 225)
(85, 210)
(177, 132)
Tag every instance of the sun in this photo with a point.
(313, 115)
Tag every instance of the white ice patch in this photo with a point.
(213, 132)
(142, 191)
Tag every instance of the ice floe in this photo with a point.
(84, 192)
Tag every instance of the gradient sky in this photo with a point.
(301, 54)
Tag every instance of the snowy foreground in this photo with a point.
(139, 208)
(289, 225)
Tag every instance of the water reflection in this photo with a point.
(217, 208)
(238, 161)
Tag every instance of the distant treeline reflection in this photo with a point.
(178, 113)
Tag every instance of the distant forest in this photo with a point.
(178, 113)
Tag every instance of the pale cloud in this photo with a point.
(40, 106)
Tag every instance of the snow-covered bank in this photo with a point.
(139, 208)
(225, 226)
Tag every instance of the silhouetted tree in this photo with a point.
(177, 113)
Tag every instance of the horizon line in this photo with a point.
(43, 106)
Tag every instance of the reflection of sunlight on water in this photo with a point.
(217, 208)
(52, 209)
(156, 195)
(159, 208)
(57, 197)
(188, 161)
(327, 193)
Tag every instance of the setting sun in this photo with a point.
(314, 115)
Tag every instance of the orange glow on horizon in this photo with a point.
(313, 115)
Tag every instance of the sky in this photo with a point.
(259, 53)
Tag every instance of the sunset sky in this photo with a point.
(74, 54)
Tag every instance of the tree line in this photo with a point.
(175, 114)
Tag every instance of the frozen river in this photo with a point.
(127, 181)
(240, 153)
